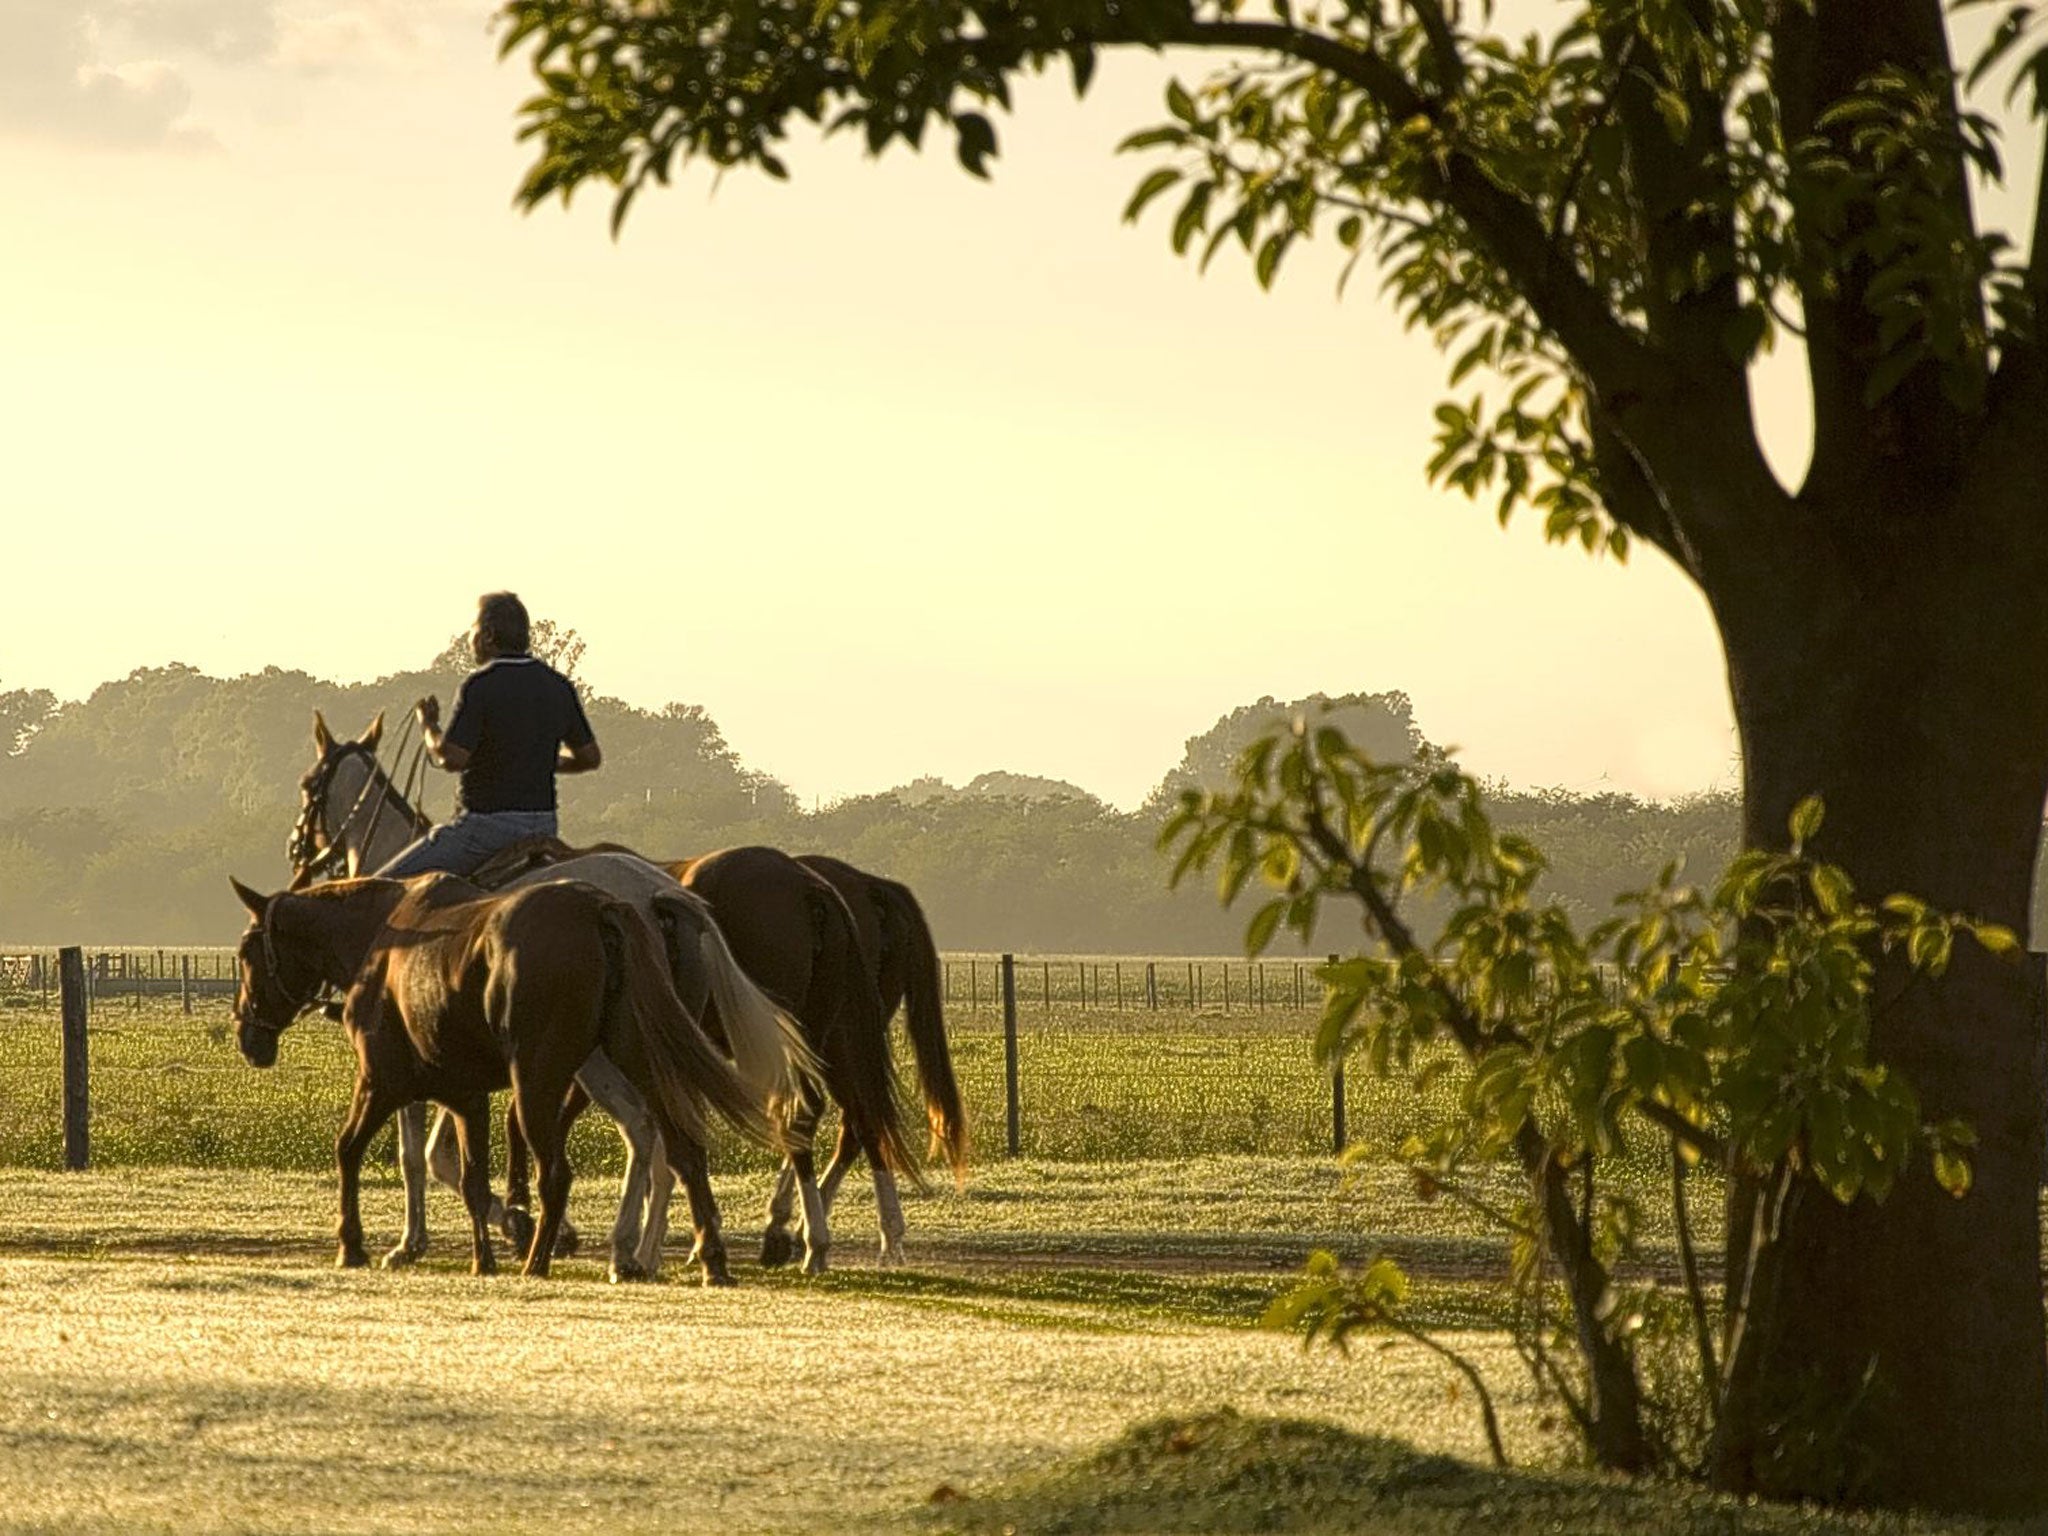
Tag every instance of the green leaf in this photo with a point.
(977, 141)
(1180, 103)
(1997, 938)
(1265, 923)
(1148, 189)
(1952, 1172)
(1805, 820)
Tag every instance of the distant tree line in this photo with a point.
(121, 814)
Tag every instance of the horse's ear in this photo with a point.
(375, 732)
(255, 901)
(322, 737)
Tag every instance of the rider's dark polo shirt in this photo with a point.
(513, 714)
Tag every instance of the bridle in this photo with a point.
(275, 977)
(304, 851)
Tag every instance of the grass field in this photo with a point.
(1072, 1349)
(175, 1355)
(172, 1089)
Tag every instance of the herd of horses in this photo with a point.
(744, 986)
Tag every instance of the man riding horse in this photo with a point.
(517, 724)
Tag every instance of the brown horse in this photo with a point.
(452, 993)
(898, 944)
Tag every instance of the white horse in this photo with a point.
(355, 817)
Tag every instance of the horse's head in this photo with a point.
(276, 983)
(331, 795)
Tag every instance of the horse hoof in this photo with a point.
(891, 1258)
(814, 1262)
(352, 1258)
(776, 1248)
(719, 1277)
(401, 1257)
(518, 1229)
(627, 1272)
(566, 1241)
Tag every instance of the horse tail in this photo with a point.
(688, 1071)
(866, 1085)
(766, 1043)
(924, 1013)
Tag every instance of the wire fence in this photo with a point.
(1100, 1058)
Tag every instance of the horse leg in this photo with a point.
(473, 1129)
(776, 1247)
(889, 1210)
(794, 1180)
(604, 1083)
(367, 1112)
(689, 1161)
(444, 1157)
(844, 1151)
(888, 1204)
(412, 1167)
(661, 1186)
(574, 1102)
(541, 1118)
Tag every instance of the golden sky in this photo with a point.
(893, 471)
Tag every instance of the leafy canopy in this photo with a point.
(1588, 216)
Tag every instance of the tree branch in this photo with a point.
(1443, 44)
(1615, 360)
(1679, 185)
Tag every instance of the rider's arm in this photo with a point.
(449, 749)
(579, 750)
(445, 753)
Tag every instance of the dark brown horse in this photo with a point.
(800, 940)
(452, 993)
(900, 951)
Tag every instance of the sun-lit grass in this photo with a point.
(174, 1345)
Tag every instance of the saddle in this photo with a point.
(531, 853)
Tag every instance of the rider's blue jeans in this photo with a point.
(458, 847)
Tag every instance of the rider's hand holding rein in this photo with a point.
(444, 755)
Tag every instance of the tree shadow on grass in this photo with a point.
(1224, 1472)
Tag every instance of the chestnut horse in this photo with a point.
(452, 993)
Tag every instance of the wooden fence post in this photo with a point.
(77, 1080)
(1119, 986)
(973, 986)
(1338, 1130)
(1016, 1122)
(185, 982)
(1152, 985)
(1046, 983)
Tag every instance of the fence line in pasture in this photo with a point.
(1059, 1056)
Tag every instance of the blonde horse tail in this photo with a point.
(688, 1071)
(766, 1043)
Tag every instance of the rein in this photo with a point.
(308, 861)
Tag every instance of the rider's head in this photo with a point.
(501, 627)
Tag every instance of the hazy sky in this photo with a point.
(893, 471)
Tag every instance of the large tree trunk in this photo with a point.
(1904, 1359)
